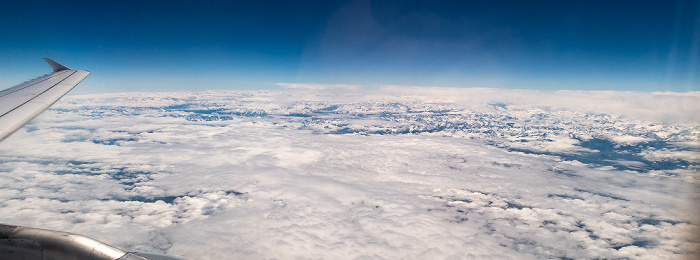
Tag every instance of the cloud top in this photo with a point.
(400, 172)
(315, 86)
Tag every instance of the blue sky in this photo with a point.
(189, 45)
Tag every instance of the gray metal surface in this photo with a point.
(29, 243)
(55, 65)
(19, 249)
(23, 102)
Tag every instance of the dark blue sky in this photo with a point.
(190, 45)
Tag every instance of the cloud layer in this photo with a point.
(415, 175)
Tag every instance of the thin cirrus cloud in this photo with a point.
(307, 172)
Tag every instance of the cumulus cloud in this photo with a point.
(314, 174)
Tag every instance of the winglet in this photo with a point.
(56, 66)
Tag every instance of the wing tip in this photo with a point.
(55, 65)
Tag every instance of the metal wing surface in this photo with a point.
(18, 105)
(23, 102)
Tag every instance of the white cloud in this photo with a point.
(315, 86)
(662, 107)
(294, 174)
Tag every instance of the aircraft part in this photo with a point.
(25, 101)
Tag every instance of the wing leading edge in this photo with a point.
(23, 102)
(18, 105)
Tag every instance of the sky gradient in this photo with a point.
(185, 45)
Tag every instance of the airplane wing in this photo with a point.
(23, 102)
(18, 105)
